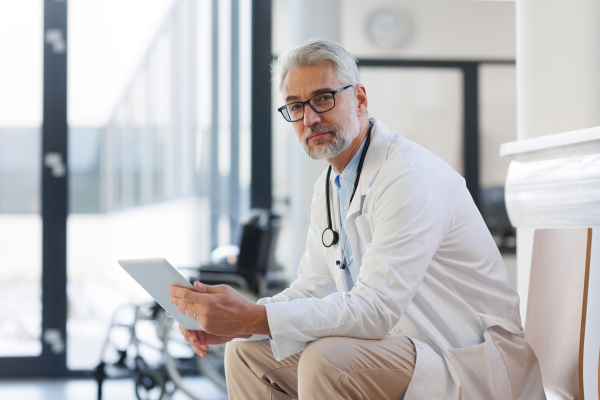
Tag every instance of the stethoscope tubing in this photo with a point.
(329, 236)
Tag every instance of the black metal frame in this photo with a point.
(308, 102)
(261, 148)
(55, 195)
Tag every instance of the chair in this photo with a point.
(556, 308)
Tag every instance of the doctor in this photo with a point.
(401, 292)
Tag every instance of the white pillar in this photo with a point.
(558, 66)
(558, 90)
(558, 81)
(310, 19)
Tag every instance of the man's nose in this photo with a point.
(310, 116)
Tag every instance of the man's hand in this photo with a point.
(200, 340)
(220, 310)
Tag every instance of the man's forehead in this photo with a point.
(301, 82)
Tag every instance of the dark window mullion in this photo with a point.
(54, 189)
(471, 128)
(261, 141)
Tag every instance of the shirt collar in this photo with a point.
(349, 173)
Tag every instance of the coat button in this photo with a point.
(420, 345)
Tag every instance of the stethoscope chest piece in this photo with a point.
(329, 237)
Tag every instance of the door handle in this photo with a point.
(54, 161)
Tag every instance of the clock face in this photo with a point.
(388, 28)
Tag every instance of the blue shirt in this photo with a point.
(345, 185)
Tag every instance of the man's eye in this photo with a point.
(294, 107)
(325, 97)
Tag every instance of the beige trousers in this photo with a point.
(328, 368)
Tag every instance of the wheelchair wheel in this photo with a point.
(184, 366)
(150, 385)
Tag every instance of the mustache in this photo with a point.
(318, 128)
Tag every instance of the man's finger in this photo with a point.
(188, 305)
(202, 288)
(201, 353)
(182, 293)
(187, 312)
(183, 331)
(201, 336)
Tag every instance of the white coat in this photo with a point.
(427, 268)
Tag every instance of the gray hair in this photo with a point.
(313, 52)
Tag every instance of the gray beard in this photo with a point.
(342, 138)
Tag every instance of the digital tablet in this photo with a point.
(156, 275)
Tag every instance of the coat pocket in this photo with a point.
(481, 371)
(363, 228)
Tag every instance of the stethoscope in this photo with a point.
(331, 237)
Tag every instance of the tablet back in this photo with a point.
(156, 275)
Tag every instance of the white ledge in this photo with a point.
(557, 140)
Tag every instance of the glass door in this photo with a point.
(20, 190)
(32, 175)
(159, 145)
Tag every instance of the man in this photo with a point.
(401, 292)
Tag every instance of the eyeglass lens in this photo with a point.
(320, 103)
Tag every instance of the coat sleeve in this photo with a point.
(410, 217)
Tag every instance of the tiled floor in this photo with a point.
(86, 389)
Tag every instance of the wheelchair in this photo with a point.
(250, 268)
(138, 355)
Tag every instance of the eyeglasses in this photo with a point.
(320, 103)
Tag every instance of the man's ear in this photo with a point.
(360, 94)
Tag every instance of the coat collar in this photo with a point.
(374, 159)
(376, 154)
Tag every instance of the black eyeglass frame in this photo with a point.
(304, 103)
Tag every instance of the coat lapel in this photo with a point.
(374, 159)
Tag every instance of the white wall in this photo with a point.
(441, 29)
(559, 66)
(497, 120)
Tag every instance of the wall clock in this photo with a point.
(388, 28)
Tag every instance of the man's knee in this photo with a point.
(348, 354)
(254, 354)
(319, 355)
(234, 353)
(322, 371)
